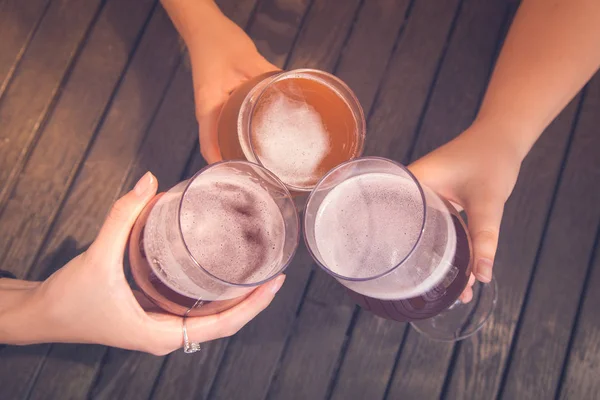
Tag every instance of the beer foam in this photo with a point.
(233, 228)
(282, 120)
(369, 224)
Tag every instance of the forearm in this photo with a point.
(19, 312)
(194, 19)
(551, 51)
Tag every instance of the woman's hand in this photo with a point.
(477, 171)
(222, 57)
(90, 301)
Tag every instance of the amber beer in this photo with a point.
(298, 124)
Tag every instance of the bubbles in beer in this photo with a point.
(233, 228)
(291, 137)
(301, 128)
(370, 223)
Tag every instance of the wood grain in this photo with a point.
(397, 110)
(313, 350)
(98, 182)
(34, 85)
(37, 196)
(478, 367)
(247, 368)
(422, 364)
(65, 138)
(165, 151)
(404, 91)
(552, 301)
(174, 131)
(580, 380)
(18, 21)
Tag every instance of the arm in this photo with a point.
(195, 19)
(90, 301)
(17, 312)
(551, 51)
(222, 57)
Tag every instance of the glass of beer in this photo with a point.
(402, 251)
(298, 124)
(204, 245)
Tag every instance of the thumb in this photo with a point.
(484, 227)
(209, 143)
(114, 234)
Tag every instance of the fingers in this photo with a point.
(484, 226)
(227, 323)
(114, 234)
(467, 295)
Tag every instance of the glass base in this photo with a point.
(461, 320)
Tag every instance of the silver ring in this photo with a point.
(190, 347)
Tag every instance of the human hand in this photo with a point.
(477, 172)
(222, 58)
(90, 301)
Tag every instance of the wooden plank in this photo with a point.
(422, 364)
(367, 364)
(174, 131)
(252, 355)
(238, 11)
(369, 360)
(394, 121)
(99, 181)
(134, 375)
(29, 97)
(557, 282)
(276, 26)
(480, 361)
(18, 21)
(368, 52)
(311, 356)
(37, 196)
(582, 367)
(45, 178)
(186, 377)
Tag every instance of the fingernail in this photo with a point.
(144, 185)
(277, 283)
(484, 270)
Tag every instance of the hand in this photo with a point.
(90, 301)
(477, 171)
(222, 57)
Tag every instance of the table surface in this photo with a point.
(94, 93)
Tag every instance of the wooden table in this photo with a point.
(94, 93)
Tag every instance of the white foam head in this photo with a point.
(291, 135)
(368, 225)
(233, 228)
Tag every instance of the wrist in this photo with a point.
(20, 311)
(501, 137)
(194, 19)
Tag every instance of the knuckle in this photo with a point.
(157, 349)
(118, 211)
(486, 235)
(229, 329)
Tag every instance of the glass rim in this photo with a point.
(361, 121)
(412, 250)
(288, 197)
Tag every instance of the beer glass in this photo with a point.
(298, 124)
(402, 251)
(204, 245)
